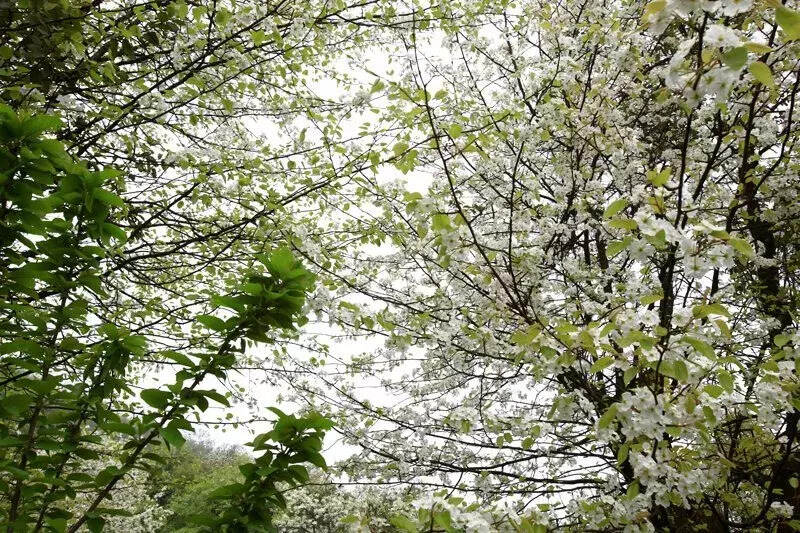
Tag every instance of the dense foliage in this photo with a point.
(556, 246)
(93, 260)
(64, 367)
(591, 301)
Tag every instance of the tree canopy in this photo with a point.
(536, 260)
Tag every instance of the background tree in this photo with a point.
(189, 475)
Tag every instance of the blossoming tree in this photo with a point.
(591, 303)
(568, 230)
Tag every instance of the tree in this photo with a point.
(590, 304)
(325, 506)
(138, 510)
(216, 117)
(63, 367)
(110, 272)
(188, 476)
(201, 106)
(593, 306)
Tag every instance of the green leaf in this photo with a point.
(681, 372)
(725, 379)
(702, 311)
(659, 239)
(789, 21)
(699, 345)
(653, 8)
(399, 149)
(95, 524)
(757, 48)
(254, 289)
(178, 357)
(633, 337)
(278, 412)
(629, 374)
(659, 178)
(651, 298)
(58, 524)
(709, 414)
(316, 459)
(624, 223)
(212, 322)
(231, 302)
(666, 368)
(135, 343)
(115, 231)
(16, 404)
(454, 131)
(10, 442)
(282, 260)
(441, 222)
(14, 471)
(735, 58)
(608, 417)
(258, 37)
(443, 519)
(781, 340)
(615, 247)
(227, 491)
(691, 403)
(601, 364)
(172, 436)
(214, 395)
(615, 207)
(762, 73)
(40, 123)
(715, 391)
(622, 454)
(107, 197)
(119, 427)
(403, 523)
(156, 398)
(524, 337)
(742, 246)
